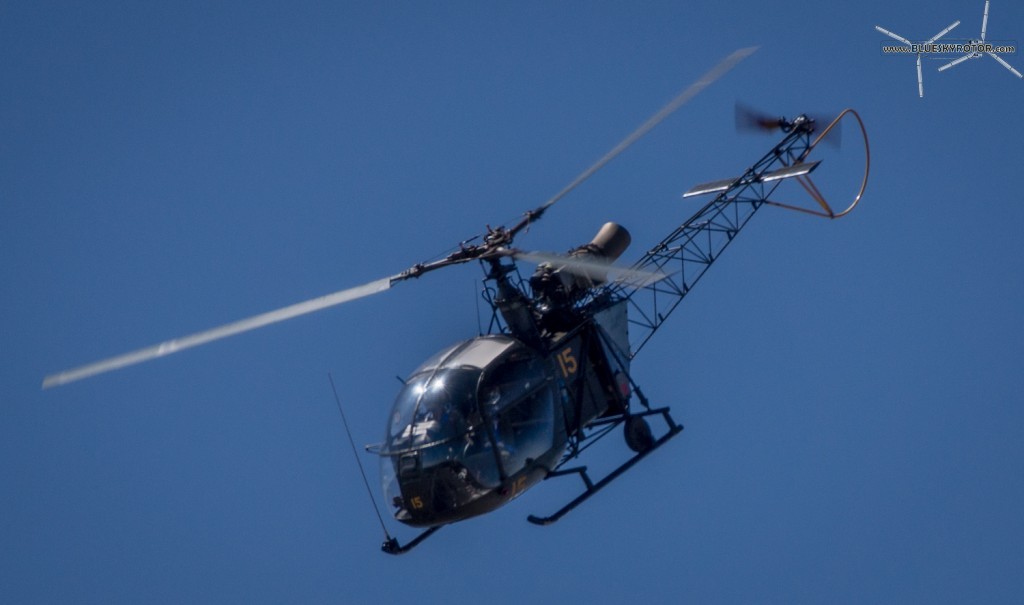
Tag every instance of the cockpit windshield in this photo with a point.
(433, 407)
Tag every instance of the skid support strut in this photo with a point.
(592, 487)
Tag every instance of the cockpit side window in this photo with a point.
(518, 400)
(510, 382)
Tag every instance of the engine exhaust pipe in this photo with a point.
(608, 245)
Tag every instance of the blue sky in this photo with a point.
(851, 390)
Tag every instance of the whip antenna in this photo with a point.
(355, 453)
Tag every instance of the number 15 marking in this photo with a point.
(567, 362)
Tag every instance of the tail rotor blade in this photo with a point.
(834, 138)
(749, 119)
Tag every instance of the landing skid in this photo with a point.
(591, 487)
(392, 547)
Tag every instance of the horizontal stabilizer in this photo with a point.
(782, 173)
(712, 187)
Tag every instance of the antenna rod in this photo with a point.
(355, 453)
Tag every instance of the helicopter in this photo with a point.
(482, 421)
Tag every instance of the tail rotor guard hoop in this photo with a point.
(812, 190)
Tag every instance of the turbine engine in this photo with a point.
(557, 286)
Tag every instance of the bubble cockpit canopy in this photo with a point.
(470, 416)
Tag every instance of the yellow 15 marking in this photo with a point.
(567, 362)
(518, 486)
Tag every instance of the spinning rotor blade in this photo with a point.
(594, 269)
(749, 119)
(892, 35)
(231, 329)
(716, 72)
(491, 246)
(835, 136)
(1004, 64)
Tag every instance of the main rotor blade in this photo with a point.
(1004, 63)
(231, 329)
(920, 81)
(892, 35)
(955, 62)
(943, 32)
(716, 72)
(984, 22)
(343, 296)
(593, 269)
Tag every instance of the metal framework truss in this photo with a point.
(687, 253)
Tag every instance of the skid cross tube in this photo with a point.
(592, 487)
